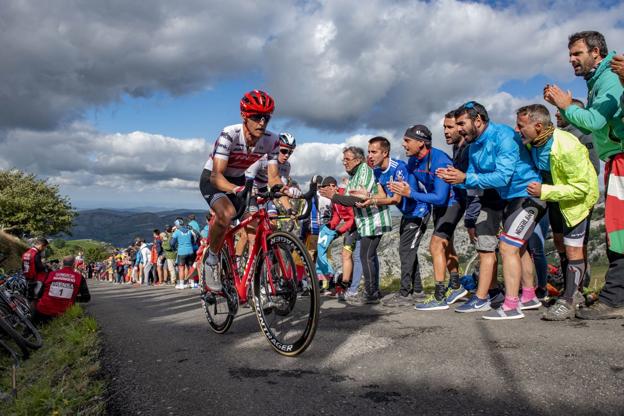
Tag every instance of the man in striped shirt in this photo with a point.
(371, 221)
(413, 222)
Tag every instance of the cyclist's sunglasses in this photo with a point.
(258, 117)
(286, 151)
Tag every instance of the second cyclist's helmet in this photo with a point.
(287, 140)
(255, 102)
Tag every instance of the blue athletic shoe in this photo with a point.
(432, 304)
(474, 304)
(453, 295)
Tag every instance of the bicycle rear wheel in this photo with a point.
(219, 307)
(286, 294)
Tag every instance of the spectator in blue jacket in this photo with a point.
(501, 167)
(183, 241)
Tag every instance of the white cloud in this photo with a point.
(344, 66)
(384, 63)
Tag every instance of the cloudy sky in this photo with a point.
(120, 102)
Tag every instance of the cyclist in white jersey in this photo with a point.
(223, 177)
(258, 172)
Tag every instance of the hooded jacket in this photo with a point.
(498, 160)
(603, 115)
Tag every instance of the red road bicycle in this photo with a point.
(278, 281)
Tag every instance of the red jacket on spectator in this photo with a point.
(60, 290)
(341, 213)
(32, 266)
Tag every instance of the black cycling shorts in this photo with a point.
(186, 260)
(575, 236)
(349, 240)
(445, 220)
(489, 220)
(211, 194)
(520, 217)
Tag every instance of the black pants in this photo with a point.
(370, 264)
(411, 232)
(612, 292)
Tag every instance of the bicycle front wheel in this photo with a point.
(19, 328)
(219, 307)
(286, 294)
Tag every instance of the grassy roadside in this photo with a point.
(62, 378)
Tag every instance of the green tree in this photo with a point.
(58, 243)
(94, 254)
(30, 206)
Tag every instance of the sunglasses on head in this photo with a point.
(286, 151)
(259, 117)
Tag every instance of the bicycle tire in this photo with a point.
(10, 320)
(291, 300)
(219, 320)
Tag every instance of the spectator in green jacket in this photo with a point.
(590, 58)
(170, 255)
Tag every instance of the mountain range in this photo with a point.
(121, 227)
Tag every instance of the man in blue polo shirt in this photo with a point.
(413, 222)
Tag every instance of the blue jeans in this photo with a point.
(357, 270)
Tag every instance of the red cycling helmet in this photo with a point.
(255, 102)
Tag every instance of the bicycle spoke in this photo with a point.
(287, 317)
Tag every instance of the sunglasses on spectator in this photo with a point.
(286, 151)
(260, 117)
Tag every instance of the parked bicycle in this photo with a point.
(279, 281)
(16, 314)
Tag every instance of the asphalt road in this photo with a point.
(163, 359)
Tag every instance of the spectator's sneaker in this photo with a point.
(578, 299)
(474, 304)
(418, 297)
(453, 295)
(497, 300)
(180, 285)
(600, 310)
(531, 304)
(372, 300)
(560, 311)
(354, 299)
(396, 299)
(432, 304)
(501, 314)
(212, 277)
(541, 293)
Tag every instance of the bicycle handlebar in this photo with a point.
(275, 193)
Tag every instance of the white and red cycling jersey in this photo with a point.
(259, 172)
(231, 146)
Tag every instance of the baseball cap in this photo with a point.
(418, 132)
